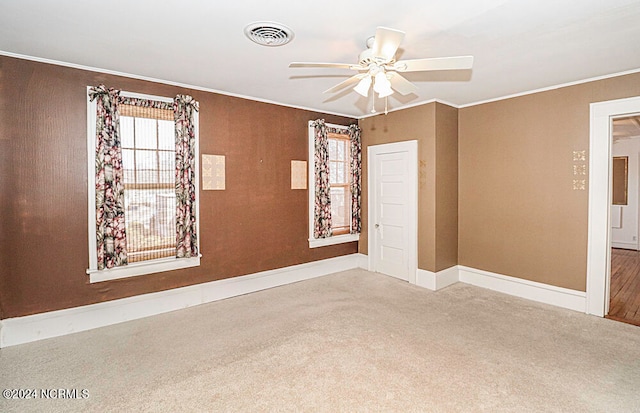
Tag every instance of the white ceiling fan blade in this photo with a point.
(436, 63)
(328, 65)
(400, 84)
(348, 82)
(386, 42)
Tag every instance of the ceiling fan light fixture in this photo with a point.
(378, 67)
(363, 86)
(386, 92)
(382, 85)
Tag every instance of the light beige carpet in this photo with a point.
(351, 341)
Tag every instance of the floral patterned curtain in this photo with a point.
(110, 226)
(184, 108)
(322, 209)
(356, 180)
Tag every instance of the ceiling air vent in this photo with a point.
(268, 33)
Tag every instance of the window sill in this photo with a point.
(142, 268)
(337, 239)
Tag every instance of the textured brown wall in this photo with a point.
(258, 223)
(5, 190)
(518, 212)
(446, 187)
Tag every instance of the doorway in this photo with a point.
(624, 303)
(393, 206)
(600, 191)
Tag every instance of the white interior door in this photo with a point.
(393, 206)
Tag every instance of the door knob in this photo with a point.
(377, 226)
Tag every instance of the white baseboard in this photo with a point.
(363, 261)
(625, 245)
(437, 281)
(26, 329)
(531, 290)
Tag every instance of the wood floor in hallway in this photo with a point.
(625, 286)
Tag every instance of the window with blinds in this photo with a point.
(148, 158)
(339, 181)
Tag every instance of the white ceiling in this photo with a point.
(518, 45)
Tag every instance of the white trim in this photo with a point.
(426, 279)
(165, 82)
(26, 329)
(599, 233)
(312, 180)
(92, 107)
(412, 105)
(437, 281)
(333, 240)
(363, 261)
(411, 147)
(221, 92)
(531, 290)
(145, 96)
(548, 88)
(625, 245)
(140, 268)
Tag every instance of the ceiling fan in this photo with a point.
(379, 69)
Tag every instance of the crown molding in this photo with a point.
(221, 92)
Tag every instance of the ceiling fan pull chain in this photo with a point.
(386, 105)
(373, 103)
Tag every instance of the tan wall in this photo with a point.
(518, 212)
(417, 123)
(446, 187)
(434, 126)
(258, 223)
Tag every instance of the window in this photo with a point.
(148, 163)
(340, 185)
(149, 206)
(341, 218)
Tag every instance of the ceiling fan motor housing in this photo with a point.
(367, 58)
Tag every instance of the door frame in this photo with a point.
(411, 147)
(599, 233)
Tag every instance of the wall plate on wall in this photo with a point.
(213, 172)
(298, 174)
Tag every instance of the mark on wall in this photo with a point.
(213, 172)
(422, 175)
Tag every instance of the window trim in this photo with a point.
(141, 267)
(335, 239)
